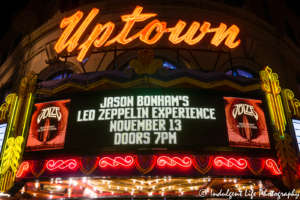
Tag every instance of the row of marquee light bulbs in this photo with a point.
(92, 191)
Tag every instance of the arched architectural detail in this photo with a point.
(243, 62)
(57, 67)
(171, 55)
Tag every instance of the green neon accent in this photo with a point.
(10, 124)
(29, 102)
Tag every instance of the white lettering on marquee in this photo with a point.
(134, 119)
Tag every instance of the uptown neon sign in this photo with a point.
(100, 35)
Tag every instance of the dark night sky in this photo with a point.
(8, 11)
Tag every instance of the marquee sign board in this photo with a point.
(143, 120)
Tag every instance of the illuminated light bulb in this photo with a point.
(133, 181)
(131, 193)
(36, 185)
(189, 181)
(243, 186)
(94, 188)
(142, 182)
(137, 187)
(170, 188)
(169, 179)
(163, 189)
(50, 196)
(195, 188)
(103, 182)
(117, 187)
(100, 191)
(141, 188)
(236, 185)
(34, 194)
(234, 180)
(89, 181)
(204, 180)
(109, 186)
(165, 179)
(162, 194)
(156, 181)
(149, 182)
(229, 180)
(225, 180)
(192, 188)
(126, 188)
(180, 189)
(153, 187)
(181, 193)
(209, 179)
(132, 190)
(112, 192)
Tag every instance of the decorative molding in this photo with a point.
(57, 67)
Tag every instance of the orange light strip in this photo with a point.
(71, 42)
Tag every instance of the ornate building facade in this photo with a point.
(138, 99)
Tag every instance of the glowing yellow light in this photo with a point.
(270, 85)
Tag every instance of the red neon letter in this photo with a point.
(116, 161)
(71, 22)
(108, 27)
(61, 164)
(136, 16)
(272, 164)
(240, 163)
(146, 32)
(163, 160)
(230, 35)
(23, 168)
(188, 36)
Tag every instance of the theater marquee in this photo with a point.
(156, 119)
